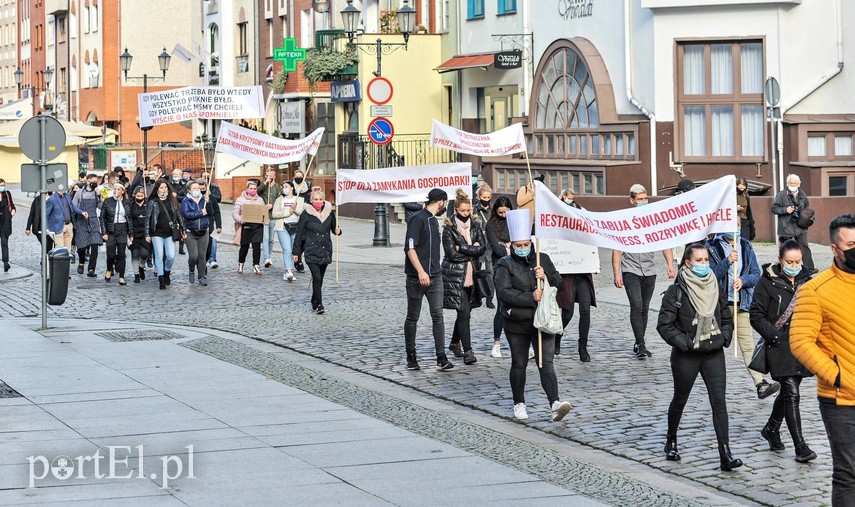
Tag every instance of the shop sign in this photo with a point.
(507, 60)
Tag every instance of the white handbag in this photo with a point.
(547, 317)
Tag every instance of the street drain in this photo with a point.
(137, 335)
(8, 392)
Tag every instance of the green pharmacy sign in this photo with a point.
(289, 54)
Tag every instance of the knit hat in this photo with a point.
(519, 224)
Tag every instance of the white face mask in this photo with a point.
(793, 188)
(196, 194)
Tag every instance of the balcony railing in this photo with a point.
(358, 152)
(325, 38)
(616, 143)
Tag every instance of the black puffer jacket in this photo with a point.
(139, 216)
(459, 254)
(108, 214)
(313, 240)
(675, 322)
(771, 298)
(515, 285)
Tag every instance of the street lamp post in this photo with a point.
(406, 23)
(163, 61)
(47, 76)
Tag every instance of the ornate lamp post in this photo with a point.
(163, 61)
(406, 23)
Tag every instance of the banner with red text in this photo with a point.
(202, 102)
(264, 149)
(402, 184)
(675, 221)
(501, 142)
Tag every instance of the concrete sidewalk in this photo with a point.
(186, 428)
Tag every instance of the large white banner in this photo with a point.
(202, 102)
(402, 184)
(264, 149)
(675, 221)
(501, 142)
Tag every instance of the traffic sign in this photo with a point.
(381, 131)
(385, 111)
(56, 178)
(30, 138)
(379, 90)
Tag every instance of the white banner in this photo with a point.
(202, 102)
(675, 221)
(250, 145)
(402, 184)
(501, 142)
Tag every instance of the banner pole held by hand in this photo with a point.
(735, 298)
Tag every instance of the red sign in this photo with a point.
(379, 90)
(381, 131)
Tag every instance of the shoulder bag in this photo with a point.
(175, 227)
(758, 358)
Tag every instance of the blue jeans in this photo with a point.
(163, 246)
(286, 241)
(415, 293)
(212, 250)
(267, 241)
(839, 423)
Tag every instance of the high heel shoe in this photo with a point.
(240, 269)
(728, 462)
(108, 275)
(671, 453)
(256, 269)
(122, 281)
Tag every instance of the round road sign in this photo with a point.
(380, 131)
(379, 90)
(30, 138)
(773, 92)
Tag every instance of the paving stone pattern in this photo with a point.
(619, 402)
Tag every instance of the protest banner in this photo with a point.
(570, 257)
(401, 184)
(501, 142)
(675, 221)
(202, 102)
(264, 149)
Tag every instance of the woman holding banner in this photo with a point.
(315, 243)
(518, 290)
(463, 243)
(497, 237)
(251, 232)
(697, 322)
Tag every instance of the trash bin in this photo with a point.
(59, 263)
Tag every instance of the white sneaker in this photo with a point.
(289, 276)
(268, 263)
(531, 353)
(284, 276)
(497, 351)
(519, 412)
(208, 264)
(214, 265)
(559, 410)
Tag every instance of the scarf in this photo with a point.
(703, 294)
(465, 230)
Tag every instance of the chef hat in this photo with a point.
(519, 224)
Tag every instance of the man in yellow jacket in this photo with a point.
(822, 337)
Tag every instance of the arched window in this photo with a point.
(566, 98)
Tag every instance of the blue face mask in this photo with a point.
(792, 271)
(640, 203)
(728, 236)
(522, 252)
(701, 270)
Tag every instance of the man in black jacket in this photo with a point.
(34, 221)
(788, 205)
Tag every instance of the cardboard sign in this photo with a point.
(253, 213)
(569, 257)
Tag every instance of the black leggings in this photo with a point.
(317, 271)
(93, 256)
(256, 253)
(4, 241)
(520, 344)
(116, 255)
(685, 367)
(582, 296)
(462, 331)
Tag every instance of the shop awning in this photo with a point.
(460, 62)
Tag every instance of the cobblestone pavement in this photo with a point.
(619, 402)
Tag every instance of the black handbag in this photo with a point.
(758, 358)
(482, 283)
(806, 218)
(175, 227)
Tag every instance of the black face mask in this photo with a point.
(92, 185)
(442, 211)
(461, 217)
(849, 258)
(485, 204)
(140, 201)
(740, 190)
(204, 192)
(298, 180)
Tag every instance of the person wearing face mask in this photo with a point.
(500, 246)
(286, 214)
(463, 243)
(251, 234)
(636, 273)
(164, 219)
(197, 212)
(771, 311)
(481, 211)
(178, 186)
(269, 190)
(422, 246)
(696, 321)
(302, 187)
(788, 205)
(727, 252)
(140, 248)
(115, 230)
(822, 338)
(7, 211)
(743, 210)
(313, 241)
(519, 292)
(87, 236)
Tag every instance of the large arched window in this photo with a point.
(566, 98)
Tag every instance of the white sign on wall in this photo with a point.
(127, 159)
(292, 117)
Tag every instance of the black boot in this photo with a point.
(583, 352)
(142, 273)
(671, 453)
(772, 433)
(558, 344)
(794, 423)
(728, 462)
(162, 282)
(166, 278)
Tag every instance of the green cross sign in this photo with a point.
(289, 55)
